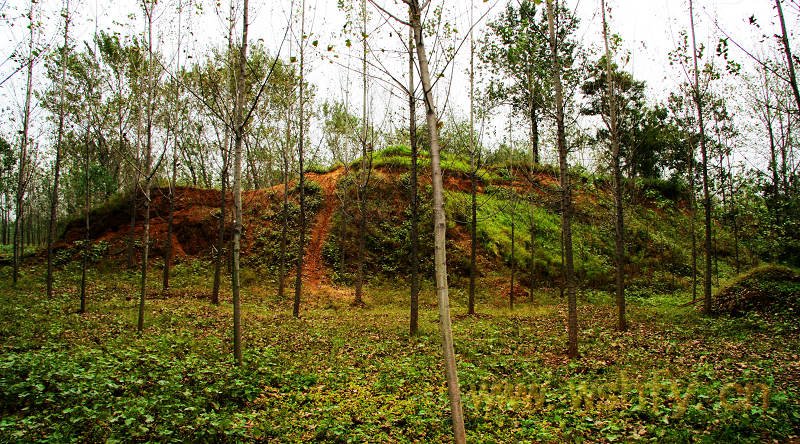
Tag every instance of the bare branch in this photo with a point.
(394, 17)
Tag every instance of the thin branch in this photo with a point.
(266, 80)
(397, 19)
(748, 53)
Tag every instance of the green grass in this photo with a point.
(399, 157)
(496, 210)
(340, 374)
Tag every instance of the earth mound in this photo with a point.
(768, 288)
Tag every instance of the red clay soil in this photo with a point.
(313, 268)
(195, 221)
(460, 183)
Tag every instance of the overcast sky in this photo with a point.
(649, 29)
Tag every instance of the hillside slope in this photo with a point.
(509, 199)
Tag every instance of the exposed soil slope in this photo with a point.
(657, 244)
(313, 269)
(196, 221)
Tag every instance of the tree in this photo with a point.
(174, 164)
(289, 87)
(415, 22)
(566, 186)
(22, 178)
(414, 198)
(87, 226)
(298, 281)
(440, 224)
(698, 101)
(787, 50)
(619, 223)
(148, 7)
(516, 48)
(239, 128)
(474, 167)
(227, 73)
(365, 171)
(51, 232)
(684, 162)
(765, 103)
(126, 62)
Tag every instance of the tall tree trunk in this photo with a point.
(18, 249)
(366, 166)
(440, 231)
(239, 125)
(226, 152)
(734, 216)
(786, 133)
(703, 154)
(773, 156)
(693, 220)
(147, 162)
(566, 190)
(220, 249)
(473, 172)
(301, 247)
(534, 161)
(135, 191)
(51, 232)
(412, 135)
(130, 244)
(285, 208)
(534, 115)
(513, 260)
(787, 50)
(172, 183)
(170, 221)
(619, 221)
(86, 233)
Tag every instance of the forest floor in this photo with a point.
(342, 374)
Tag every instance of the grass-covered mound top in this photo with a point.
(768, 288)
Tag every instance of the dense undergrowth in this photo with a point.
(768, 289)
(340, 374)
(511, 198)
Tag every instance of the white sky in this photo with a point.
(649, 29)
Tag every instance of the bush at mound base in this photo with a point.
(768, 288)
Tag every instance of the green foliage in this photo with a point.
(398, 158)
(648, 140)
(673, 188)
(495, 213)
(266, 233)
(767, 288)
(127, 392)
(319, 168)
(388, 229)
(66, 377)
(394, 151)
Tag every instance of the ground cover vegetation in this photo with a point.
(489, 230)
